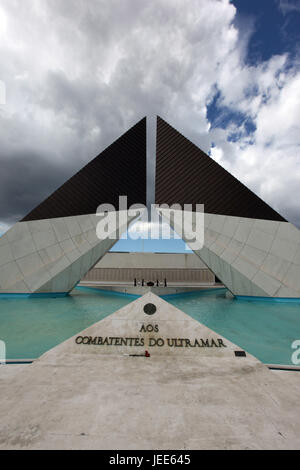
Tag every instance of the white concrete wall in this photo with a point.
(251, 257)
(151, 261)
(51, 255)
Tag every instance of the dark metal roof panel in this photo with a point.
(186, 175)
(119, 170)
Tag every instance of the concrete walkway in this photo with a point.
(93, 396)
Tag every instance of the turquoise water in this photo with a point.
(31, 327)
(264, 329)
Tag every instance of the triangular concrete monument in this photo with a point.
(148, 325)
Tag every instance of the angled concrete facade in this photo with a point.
(251, 248)
(50, 256)
(56, 244)
(252, 257)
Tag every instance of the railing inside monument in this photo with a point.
(129, 274)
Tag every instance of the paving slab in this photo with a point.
(98, 390)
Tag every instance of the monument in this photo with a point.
(56, 244)
(149, 376)
(252, 249)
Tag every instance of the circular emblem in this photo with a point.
(149, 309)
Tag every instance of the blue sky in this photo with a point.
(272, 28)
(224, 73)
(172, 245)
(275, 27)
(153, 246)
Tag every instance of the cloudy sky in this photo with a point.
(80, 73)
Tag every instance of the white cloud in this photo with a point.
(288, 6)
(78, 74)
(151, 230)
(3, 23)
(217, 153)
(269, 163)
